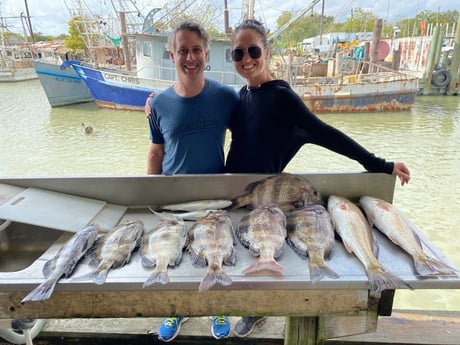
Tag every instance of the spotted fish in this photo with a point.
(311, 234)
(211, 244)
(288, 191)
(263, 232)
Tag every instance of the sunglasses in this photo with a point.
(254, 52)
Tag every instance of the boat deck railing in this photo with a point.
(350, 72)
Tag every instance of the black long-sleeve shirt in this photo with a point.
(272, 123)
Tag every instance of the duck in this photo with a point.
(87, 129)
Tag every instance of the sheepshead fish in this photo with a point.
(64, 262)
(162, 247)
(386, 218)
(285, 190)
(356, 233)
(211, 243)
(311, 234)
(114, 249)
(263, 232)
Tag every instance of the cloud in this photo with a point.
(51, 17)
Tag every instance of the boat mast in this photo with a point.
(29, 23)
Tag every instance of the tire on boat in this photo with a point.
(441, 78)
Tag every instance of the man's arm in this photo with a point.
(155, 159)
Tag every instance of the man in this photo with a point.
(187, 124)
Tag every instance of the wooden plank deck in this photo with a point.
(403, 327)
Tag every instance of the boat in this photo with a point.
(16, 54)
(124, 90)
(16, 63)
(61, 83)
(364, 87)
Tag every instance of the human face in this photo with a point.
(189, 56)
(255, 70)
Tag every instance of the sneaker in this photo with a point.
(170, 328)
(246, 325)
(220, 327)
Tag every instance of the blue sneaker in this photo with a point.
(170, 328)
(220, 327)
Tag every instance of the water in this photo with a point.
(37, 140)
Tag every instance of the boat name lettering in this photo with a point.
(121, 78)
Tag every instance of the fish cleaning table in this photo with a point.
(314, 311)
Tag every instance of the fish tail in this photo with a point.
(429, 266)
(265, 264)
(321, 270)
(212, 278)
(380, 280)
(157, 277)
(41, 292)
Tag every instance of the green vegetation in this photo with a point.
(359, 21)
(75, 40)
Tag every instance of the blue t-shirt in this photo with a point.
(192, 129)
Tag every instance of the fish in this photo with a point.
(113, 249)
(288, 191)
(263, 232)
(198, 205)
(162, 247)
(310, 234)
(358, 238)
(191, 215)
(64, 262)
(211, 243)
(390, 221)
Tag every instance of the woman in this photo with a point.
(272, 123)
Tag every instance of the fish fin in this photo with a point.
(429, 266)
(253, 251)
(319, 271)
(41, 292)
(260, 265)
(380, 280)
(301, 253)
(157, 277)
(49, 267)
(178, 260)
(210, 279)
(146, 262)
(231, 259)
(375, 246)
(347, 246)
(280, 251)
(198, 260)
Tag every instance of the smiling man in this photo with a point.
(187, 124)
(188, 120)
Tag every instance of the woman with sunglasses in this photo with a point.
(272, 123)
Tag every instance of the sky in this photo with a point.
(50, 17)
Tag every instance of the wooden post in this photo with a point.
(124, 41)
(376, 39)
(396, 58)
(301, 331)
(431, 62)
(455, 63)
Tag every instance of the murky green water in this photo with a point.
(36, 140)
